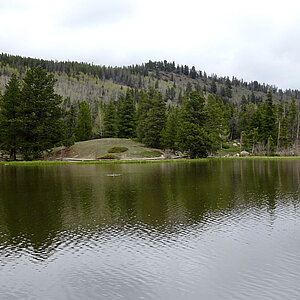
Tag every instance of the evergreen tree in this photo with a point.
(110, 121)
(127, 117)
(213, 87)
(257, 119)
(188, 89)
(284, 133)
(193, 138)
(180, 97)
(155, 120)
(280, 114)
(143, 108)
(84, 122)
(193, 73)
(269, 120)
(251, 137)
(40, 113)
(245, 117)
(70, 125)
(10, 117)
(292, 120)
(215, 123)
(244, 100)
(228, 88)
(169, 133)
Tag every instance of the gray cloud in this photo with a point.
(88, 13)
(253, 42)
(12, 5)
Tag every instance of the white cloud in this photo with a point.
(257, 40)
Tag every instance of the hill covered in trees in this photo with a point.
(92, 83)
(161, 104)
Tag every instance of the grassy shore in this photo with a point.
(99, 162)
(143, 161)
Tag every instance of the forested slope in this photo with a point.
(82, 81)
(158, 103)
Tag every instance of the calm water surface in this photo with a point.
(205, 230)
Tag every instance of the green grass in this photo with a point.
(143, 161)
(107, 156)
(153, 153)
(33, 163)
(264, 157)
(117, 149)
(95, 148)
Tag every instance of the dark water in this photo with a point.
(209, 230)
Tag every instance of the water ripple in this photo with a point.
(121, 242)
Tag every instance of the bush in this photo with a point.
(225, 146)
(117, 149)
(107, 156)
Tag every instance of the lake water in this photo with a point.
(222, 229)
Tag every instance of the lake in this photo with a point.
(217, 229)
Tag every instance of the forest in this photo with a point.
(159, 104)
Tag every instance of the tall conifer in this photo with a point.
(10, 122)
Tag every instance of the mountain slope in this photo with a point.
(82, 81)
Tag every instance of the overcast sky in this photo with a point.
(254, 40)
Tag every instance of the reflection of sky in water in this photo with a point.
(209, 230)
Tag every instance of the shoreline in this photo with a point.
(141, 161)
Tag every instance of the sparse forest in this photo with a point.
(47, 103)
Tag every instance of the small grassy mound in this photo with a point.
(107, 156)
(117, 149)
(94, 149)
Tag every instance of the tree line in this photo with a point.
(134, 76)
(34, 119)
(200, 125)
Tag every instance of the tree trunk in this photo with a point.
(13, 154)
(278, 137)
(241, 141)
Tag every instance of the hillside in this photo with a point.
(97, 148)
(95, 84)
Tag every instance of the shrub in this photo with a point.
(107, 156)
(117, 149)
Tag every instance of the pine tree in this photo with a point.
(193, 73)
(127, 117)
(188, 89)
(143, 107)
(280, 114)
(40, 113)
(169, 133)
(180, 97)
(269, 120)
(110, 121)
(228, 88)
(256, 121)
(193, 138)
(215, 123)
(155, 120)
(70, 125)
(213, 87)
(284, 133)
(292, 120)
(84, 122)
(245, 117)
(10, 117)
